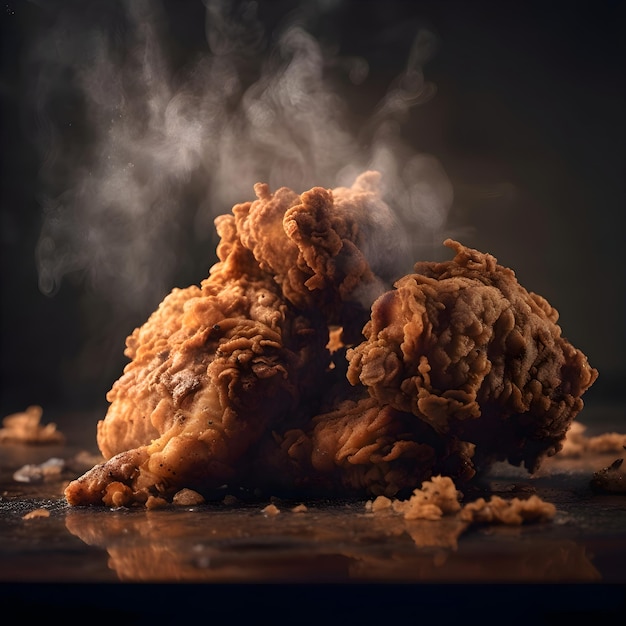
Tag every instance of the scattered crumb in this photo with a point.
(155, 503)
(48, 470)
(300, 508)
(230, 500)
(271, 509)
(436, 497)
(26, 427)
(379, 504)
(576, 443)
(439, 497)
(187, 497)
(36, 513)
(512, 512)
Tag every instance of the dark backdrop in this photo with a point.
(527, 122)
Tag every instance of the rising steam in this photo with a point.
(154, 153)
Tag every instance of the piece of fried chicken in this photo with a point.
(465, 348)
(463, 367)
(219, 365)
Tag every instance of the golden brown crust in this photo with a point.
(464, 347)
(217, 366)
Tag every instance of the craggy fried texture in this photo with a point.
(217, 366)
(254, 379)
(362, 448)
(465, 348)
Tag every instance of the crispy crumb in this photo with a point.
(26, 427)
(271, 510)
(187, 497)
(576, 443)
(381, 503)
(300, 508)
(439, 497)
(436, 497)
(513, 512)
(36, 513)
(154, 502)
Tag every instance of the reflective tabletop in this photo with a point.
(42, 539)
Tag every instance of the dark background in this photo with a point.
(527, 122)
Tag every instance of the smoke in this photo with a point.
(140, 153)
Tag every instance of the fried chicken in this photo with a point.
(465, 348)
(216, 366)
(272, 375)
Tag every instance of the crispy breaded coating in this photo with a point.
(220, 364)
(512, 512)
(465, 348)
(361, 448)
(317, 247)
